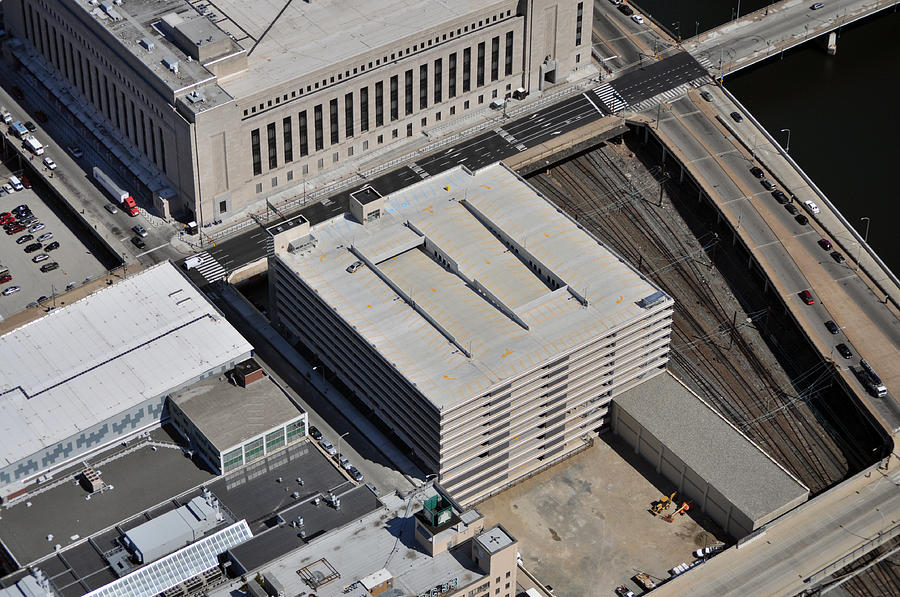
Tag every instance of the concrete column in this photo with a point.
(646, 134)
(663, 159)
(681, 173)
(750, 262)
(831, 44)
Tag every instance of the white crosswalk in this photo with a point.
(510, 139)
(669, 96)
(209, 268)
(418, 170)
(610, 97)
(706, 63)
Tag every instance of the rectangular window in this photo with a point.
(273, 150)
(320, 134)
(223, 206)
(438, 73)
(479, 81)
(451, 76)
(257, 157)
(295, 431)
(232, 460)
(395, 108)
(288, 140)
(495, 58)
(363, 109)
(253, 450)
(408, 81)
(423, 86)
(379, 104)
(348, 114)
(578, 19)
(274, 440)
(509, 53)
(467, 70)
(304, 146)
(333, 121)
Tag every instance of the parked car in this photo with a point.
(7, 218)
(45, 237)
(328, 446)
(807, 297)
(625, 9)
(837, 257)
(623, 591)
(637, 19)
(768, 184)
(780, 197)
(140, 230)
(30, 126)
(817, 6)
(707, 551)
(832, 327)
(315, 433)
(50, 164)
(345, 464)
(825, 244)
(110, 208)
(757, 172)
(138, 242)
(52, 246)
(706, 95)
(8, 189)
(844, 351)
(736, 116)
(14, 229)
(33, 247)
(11, 290)
(792, 209)
(49, 267)
(5, 278)
(354, 472)
(35, 227)
(40, 257)
(24, 239)
(801, 219)
(811, 207)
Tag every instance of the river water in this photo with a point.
(843, 111)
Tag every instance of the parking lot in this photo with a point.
(76, 263)
(584, 525)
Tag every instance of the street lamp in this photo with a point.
(339, 442)
(787, 147)
(696, 28)
(677, 25)
(865, 240)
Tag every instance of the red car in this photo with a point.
(6, 218)
(807, 297)
(825, 244)
(15, 229)
(5, 279)
(26, 183)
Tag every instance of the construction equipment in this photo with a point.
(663, 503)
(682, 510)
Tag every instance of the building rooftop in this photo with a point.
(471, 263)
(495, 539)
(362, 548)
(122, 345)
(715, 449)
(228, 414)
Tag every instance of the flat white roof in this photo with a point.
(86, 362)
(531, 284)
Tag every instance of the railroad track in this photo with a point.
(615, 204)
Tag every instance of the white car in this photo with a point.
(8, 189)
(811, 207)
(707, 551)
(327, 446)
(637, 19)
(50, 164)
(11, 290)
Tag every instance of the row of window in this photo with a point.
(376, 63)
(430, 88)
(109, 100)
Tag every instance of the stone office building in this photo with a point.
(220, 105)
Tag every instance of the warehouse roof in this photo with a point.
(715, 449)
(228, 414)
(471, 263)
(83, 363)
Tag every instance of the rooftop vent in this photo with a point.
(171, 63)
(147, 44)
(195, 98)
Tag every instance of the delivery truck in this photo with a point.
(124, 198)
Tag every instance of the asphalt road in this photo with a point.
(474, 153)
(656, 77)
(737, 45)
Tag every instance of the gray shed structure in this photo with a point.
(711, 462)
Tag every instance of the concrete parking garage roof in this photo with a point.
(711, 446)
(229, 415)
(85, 362)
(532, 284)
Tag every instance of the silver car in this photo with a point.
(36, 227)
(328, 446)
(44, 237)
(41, 257)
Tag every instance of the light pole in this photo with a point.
(677, 25)
(696, 28)
(787, 147)
(738, 12)
(339, 442)
(865, 240)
